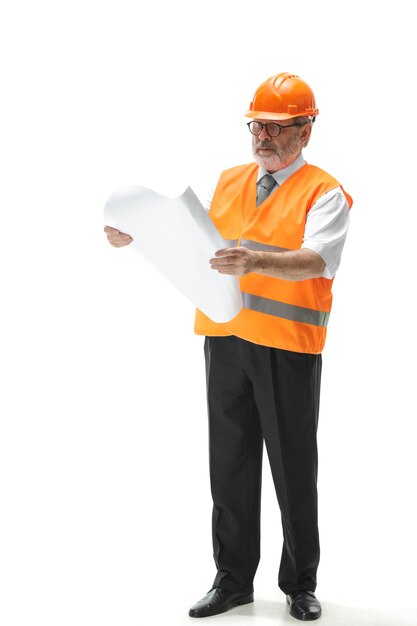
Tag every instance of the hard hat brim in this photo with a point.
(267, 115)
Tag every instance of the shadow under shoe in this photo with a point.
(219, 600)
(304, 605)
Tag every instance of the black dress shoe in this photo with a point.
(219, 600)
(304, 605)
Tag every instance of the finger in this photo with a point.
(217, 266)
(117, 241)
(225, 251)
(120, 244)
(224, 259)
(230, 272)
(117, 233)
(120, 238)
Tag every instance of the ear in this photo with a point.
(306, 133)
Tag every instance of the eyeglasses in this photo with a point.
(272, 128)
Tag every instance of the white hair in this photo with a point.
(303, 120)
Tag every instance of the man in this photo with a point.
(289, 220)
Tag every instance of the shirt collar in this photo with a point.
(282, 175)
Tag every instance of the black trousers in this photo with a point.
(256, 393)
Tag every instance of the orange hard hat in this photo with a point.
(282, 97)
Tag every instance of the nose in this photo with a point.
(263, 134)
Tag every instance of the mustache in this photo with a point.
(265, 144)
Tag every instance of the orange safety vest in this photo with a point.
(291, 315)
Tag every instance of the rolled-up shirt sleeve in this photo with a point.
(326, 228)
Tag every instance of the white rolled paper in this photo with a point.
(178, 238)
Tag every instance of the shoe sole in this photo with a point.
(243, 600)
(306, 618)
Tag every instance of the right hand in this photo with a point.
(117, 238)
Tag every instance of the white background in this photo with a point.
(105, 497)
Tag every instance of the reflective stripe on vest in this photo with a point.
(287, 311)
(255, 245)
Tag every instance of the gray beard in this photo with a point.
(283, 156)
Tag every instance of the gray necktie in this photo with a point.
(265, 186)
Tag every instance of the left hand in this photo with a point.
(238, 261)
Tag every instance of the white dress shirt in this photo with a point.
(327, 221)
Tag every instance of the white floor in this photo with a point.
(266, 611)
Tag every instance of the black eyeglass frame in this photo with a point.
(270, 124)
